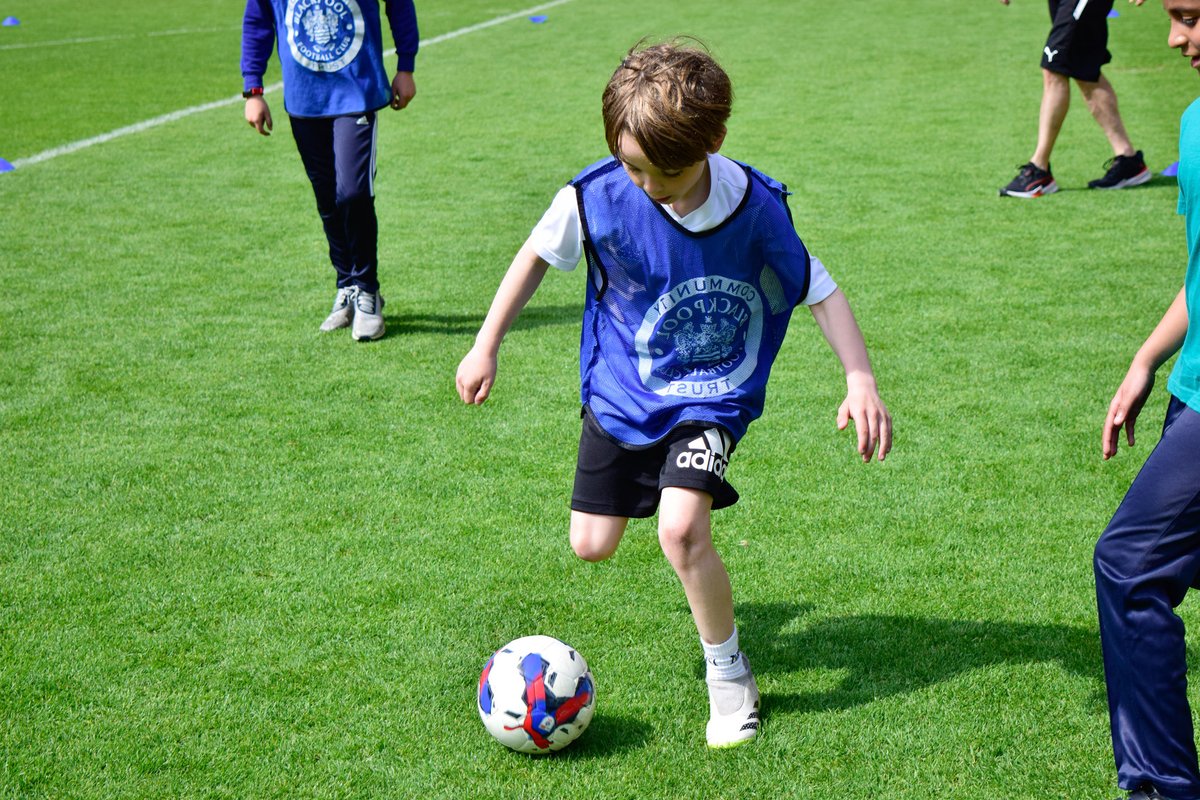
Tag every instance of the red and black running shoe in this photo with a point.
(1031, 181)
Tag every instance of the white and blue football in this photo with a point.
(536, 695)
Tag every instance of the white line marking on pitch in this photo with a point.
(155, 122)
(116, 38)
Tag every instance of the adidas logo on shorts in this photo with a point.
(709, 453)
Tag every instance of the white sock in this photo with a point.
(724, 661)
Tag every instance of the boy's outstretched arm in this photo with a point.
(477, 370)
(862, 404)
(1131, 395)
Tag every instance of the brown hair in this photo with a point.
(673, 98)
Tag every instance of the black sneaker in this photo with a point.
(1031, 181)
(1123, 172)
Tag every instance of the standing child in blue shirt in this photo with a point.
(334, 81)
(1149, 555)
(694, 269)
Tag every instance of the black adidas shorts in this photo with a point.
(1078, 43)
(621, 482)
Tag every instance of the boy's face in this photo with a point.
(1185, 28)
(684, 189)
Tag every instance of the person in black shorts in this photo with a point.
(1077, 47)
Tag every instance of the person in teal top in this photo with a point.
(1149, 555)
(1184, 382)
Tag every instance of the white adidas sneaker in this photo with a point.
(343, 310)
(733, 710)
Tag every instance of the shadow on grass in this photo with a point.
(607, 735)
(883, 655)
(532, 317)
(1158, 181)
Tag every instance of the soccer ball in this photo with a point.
(536, 695)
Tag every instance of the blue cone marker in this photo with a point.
(1113, 13)
(539, 19)
(5, 166)
(11, 21)
(1172, 170)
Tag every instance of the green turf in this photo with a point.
(242, 559)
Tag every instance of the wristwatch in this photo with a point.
(255, 92)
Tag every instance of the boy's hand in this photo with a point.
(476, 376)
(258, 114)
(1124, 409)
(404, 89)
(871, 418)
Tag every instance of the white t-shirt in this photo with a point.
(558, 236)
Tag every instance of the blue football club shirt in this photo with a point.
(331, 52)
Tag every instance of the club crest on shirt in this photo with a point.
(324, 35)
(701, 339)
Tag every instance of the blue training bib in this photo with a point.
(682, 327)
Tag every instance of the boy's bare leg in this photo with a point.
(1102, 102)
(1056, 100)
(685, 534)
(594, 537)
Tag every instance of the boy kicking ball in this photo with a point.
(694, 269)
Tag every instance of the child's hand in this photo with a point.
(1124, 409)
(476, 376)
(871, 418)
(404, 89)
(258, 114)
